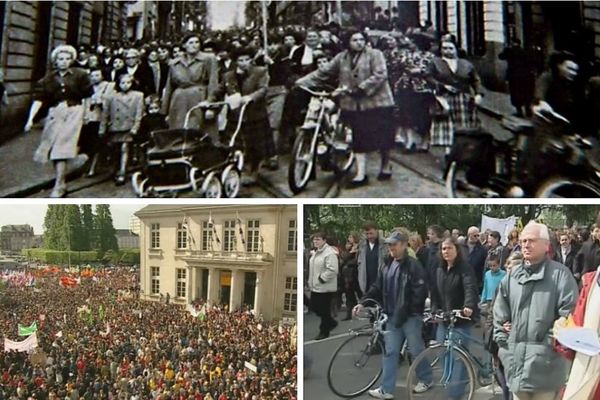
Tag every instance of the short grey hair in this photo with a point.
(542, 229)
(472, 229)
(63, 48)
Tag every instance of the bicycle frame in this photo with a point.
(454, 344)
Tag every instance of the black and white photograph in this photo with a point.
(349, 99)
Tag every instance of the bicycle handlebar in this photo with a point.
(444, 315)
(315, 93)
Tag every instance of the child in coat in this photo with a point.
(122, 119)
(153, 120)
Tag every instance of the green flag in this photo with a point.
(28, 330)
(101, 312)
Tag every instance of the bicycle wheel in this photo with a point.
(448, 369)
(355, 365)
(302, 162)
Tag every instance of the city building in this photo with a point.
(232, 254)
(127, 239)
(13, 238)
(31, 29)
(484, 28)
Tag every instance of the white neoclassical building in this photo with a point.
(231, 254)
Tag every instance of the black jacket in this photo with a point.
(455, 289)
(477, 260)
(412, 276)
(588, 257)
(569, 261)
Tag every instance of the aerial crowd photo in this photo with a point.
(451, 301)
(148, 302)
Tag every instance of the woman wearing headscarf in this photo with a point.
(458, 88)
(60, 94)
(192, 79)
(366, 103)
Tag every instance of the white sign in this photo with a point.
(250, 366)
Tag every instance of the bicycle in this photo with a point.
(356, 364)
(322, 139)
(459, 371)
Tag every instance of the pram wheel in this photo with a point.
(139, 184)
(231, 181)
(210, 187)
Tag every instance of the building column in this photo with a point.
(198, 283)
(237, 286)
(214, 285)
(191, 284)
(258, 293)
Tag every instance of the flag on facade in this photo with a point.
(186, 226)
(28, 330)
(240, 230)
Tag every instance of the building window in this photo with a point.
(207, 236)
(181, 282)
(229, 235)
(475, 28)
(292, 241)
(155, 236)
(289, 299)
(181, 237)
(155, 284)
(253, 238)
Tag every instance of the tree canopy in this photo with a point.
(76, 228)
(339, 220)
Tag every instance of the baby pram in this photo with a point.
(183, 159)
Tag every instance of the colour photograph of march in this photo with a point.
(299, 99)
(148, 302)
(452, 302)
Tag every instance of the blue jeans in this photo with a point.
(456, 391)
(411, 331)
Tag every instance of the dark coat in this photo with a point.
(143, 80)
(163, 71)
(254, 85)
(588, 257)
(465, 79)
(412, 279)
(569, 261)
(476, 260)
(455, 289)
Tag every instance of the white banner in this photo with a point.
(504, 226)
(26, 345)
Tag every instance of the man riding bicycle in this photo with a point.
(401, 287)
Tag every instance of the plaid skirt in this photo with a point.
(462, 114)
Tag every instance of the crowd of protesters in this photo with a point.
(98, 340)
(473, 272)
(411, 87)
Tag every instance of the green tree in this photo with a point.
(105, 238)
(87, 225)
(73, 228)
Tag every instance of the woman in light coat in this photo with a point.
(367, 102)
(322, 282)
(59, 95)
(193, 78)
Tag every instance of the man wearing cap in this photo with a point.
(401, 287)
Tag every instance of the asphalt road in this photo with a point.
(319, 353)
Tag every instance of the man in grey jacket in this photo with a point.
(530, 300)
(322, 281)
